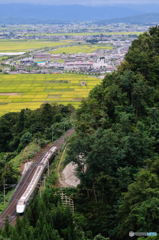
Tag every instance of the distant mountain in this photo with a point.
(149, 18)
(31, 13)
(142, 8)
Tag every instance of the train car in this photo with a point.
(21, 205)
(48, 155)
(23, 201)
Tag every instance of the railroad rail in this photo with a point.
(30, 181)
(23, 201)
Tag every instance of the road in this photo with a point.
(10, 211)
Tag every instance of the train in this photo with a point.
(41, 166)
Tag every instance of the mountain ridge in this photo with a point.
(148, 18)
(32, 13)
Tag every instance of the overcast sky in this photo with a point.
(82, 2)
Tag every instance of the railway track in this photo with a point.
(10, 211)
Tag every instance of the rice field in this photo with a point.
(27, 45)
(31, 90)
(85, 34)
(80, 49)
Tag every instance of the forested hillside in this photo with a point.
(36, 128)
(116, 147)
(18, 129)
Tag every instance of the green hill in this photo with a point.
(117, 133)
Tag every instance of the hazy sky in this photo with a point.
(81, 2)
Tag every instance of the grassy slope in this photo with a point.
(27, 153)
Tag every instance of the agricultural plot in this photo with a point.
(3, 58)
(80, 49)
(85, 34)
(26, 45)
(31, 90)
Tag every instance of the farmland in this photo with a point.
(80, 49)
(86, 34)
(26, 45)
(32, 90)
(52, 54)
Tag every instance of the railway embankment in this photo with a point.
(10, 211)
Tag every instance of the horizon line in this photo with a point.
(79, 4)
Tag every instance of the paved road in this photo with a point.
(10, 211)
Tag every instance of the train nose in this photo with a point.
(20, 208)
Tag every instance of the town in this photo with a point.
(85, 48)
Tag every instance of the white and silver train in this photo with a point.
(23, 201)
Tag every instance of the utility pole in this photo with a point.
(44, 182)
(4, 191)
(52, 134)
(40, 189)
(64, 126)
(48, 167)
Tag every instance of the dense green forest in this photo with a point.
(48, 219)
(17, 130)
(116, 147)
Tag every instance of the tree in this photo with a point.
(117, 131)
(100, 237)
(138, 210)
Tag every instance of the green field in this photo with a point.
(31, 90)
(80, 49)
(26, 45)
(3, 58)
(85, 34)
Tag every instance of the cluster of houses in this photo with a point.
(49, 31)
(99, 62)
